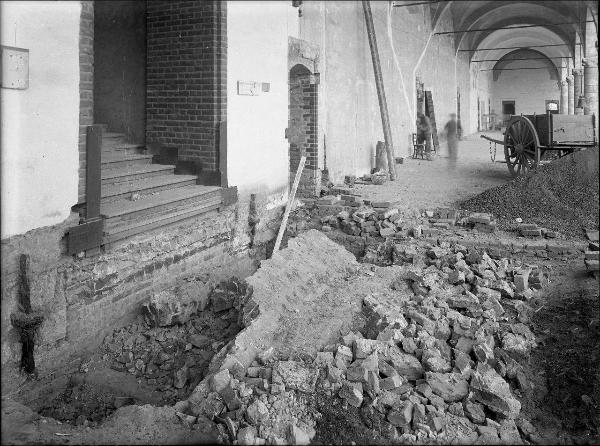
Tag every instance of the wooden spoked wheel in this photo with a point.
(521, 146)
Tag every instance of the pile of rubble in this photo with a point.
(439, 362)
(533, 230)
(268, 404)
(592, 254)
(357, 217)
(182, 330)
(441, 358)
(371, 219)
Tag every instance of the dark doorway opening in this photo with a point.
(508, 107)
(120, 67)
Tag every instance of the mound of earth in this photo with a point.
(561, 196)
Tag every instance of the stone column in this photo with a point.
(578, 90)
(564, 97)
(570, 95)
(590, 86)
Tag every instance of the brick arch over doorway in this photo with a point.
(303, 127)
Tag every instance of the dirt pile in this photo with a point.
(298, 299)
(562, 196)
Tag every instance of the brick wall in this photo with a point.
(186, 77)
(303, 130)
(86, 85)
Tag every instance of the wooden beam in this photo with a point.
(93, 179)
(290, 202)
(385, 120)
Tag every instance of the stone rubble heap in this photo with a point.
(533, 230)
(373, 219)
(265, 404)
(592, 254)
(341, 208)
(182, 330)
(440, 362)
(445, 356)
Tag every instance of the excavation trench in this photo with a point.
(144, 363)
(282, 355)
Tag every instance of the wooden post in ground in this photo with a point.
(385, 119)
(288, 207)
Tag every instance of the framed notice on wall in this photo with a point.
(15, 68)
(250, 88)
(246, 88)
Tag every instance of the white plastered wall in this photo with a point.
(528, 88)
(257, 41)
(40, 125)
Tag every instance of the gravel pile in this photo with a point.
(561, 196)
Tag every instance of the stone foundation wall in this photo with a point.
(84, 298)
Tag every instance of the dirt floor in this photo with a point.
(111, 398)
(421, 183)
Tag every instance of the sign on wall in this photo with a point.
(249, 88)
(15, 68)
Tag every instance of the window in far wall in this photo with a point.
(508, 107)
(552, 106)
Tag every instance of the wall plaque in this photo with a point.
(15, 68)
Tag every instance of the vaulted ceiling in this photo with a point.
(560, 27)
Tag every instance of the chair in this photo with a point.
(418, 148)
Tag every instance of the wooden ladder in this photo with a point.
(429, 111)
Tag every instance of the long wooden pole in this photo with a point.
(385, 119)
(288, 207)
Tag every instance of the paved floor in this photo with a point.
(424, 184)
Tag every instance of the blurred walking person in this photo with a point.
(453, 131)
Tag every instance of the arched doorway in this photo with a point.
(303, 127)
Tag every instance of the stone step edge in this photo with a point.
(128, 157)
(164, 199)
(120, 172)
(145, 226)
(151, 183)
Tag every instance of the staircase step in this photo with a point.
(124, 214)
(145, 186)
(114, 160)
(162, 221)
(113, 135)
(109, 146)
(135, 172)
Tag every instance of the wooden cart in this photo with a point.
(528, 137)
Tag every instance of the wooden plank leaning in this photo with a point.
(290, 202)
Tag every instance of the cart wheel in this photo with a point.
(521, 146)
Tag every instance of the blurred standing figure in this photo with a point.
(424, 133)
(453, 132)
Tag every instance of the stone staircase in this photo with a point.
(138, 196)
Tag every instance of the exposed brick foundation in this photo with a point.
(186, 78)
(83, 298)
(86, 86)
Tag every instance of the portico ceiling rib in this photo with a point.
(476, 24)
